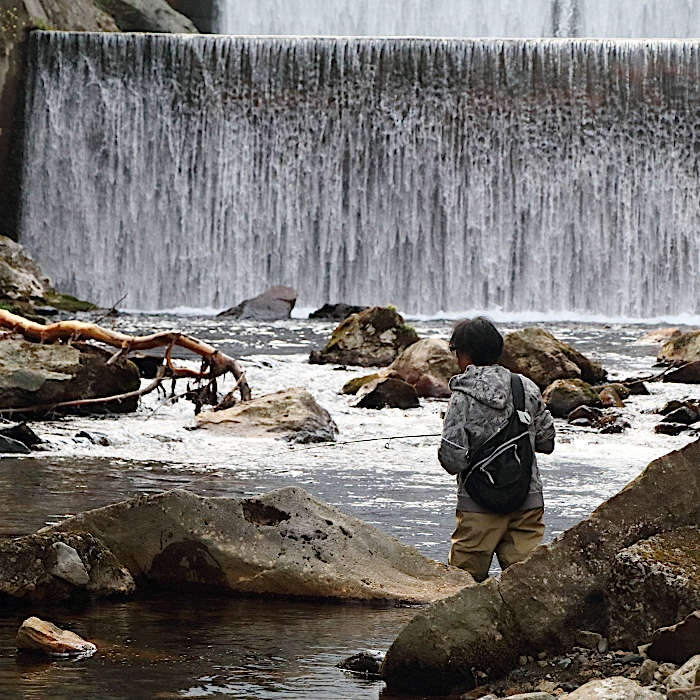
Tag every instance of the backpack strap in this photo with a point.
(516, 385)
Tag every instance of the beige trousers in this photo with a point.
(478, 535)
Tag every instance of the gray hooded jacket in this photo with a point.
(481, 404)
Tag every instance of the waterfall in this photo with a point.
(549, 175)
(463, 18)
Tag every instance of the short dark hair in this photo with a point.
(479, 339)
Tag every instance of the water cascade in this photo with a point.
(463, 18)
(549, 175)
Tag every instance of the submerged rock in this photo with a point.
(33, 374)
(274, 304)
(539, 356)
(428, 365)
(60, 566)
(283, 543)
(677, 643)
(40, 636)
(362, 664)
(532, 605)
(336, 312)
(387, 392)
(682, 349)
(564, 395)
(286, 412)
(372, 338)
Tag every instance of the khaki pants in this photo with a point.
(478, 535)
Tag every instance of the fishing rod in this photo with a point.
(385, 438)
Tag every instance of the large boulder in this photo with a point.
(373, 338)
(32, 374)
(681, 349)
(335, 312)
(428, 365)
(147, 16)
(283, 543)
(654, 583)
(564, 395)
(60, 566)
(540, 603)
(292, 413)
(540, 356)
(274, 304)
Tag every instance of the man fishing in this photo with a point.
(495, 422)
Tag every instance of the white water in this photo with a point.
(550, 175)
(463, 18)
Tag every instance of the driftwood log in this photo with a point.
(214, 362)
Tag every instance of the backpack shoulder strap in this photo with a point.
(516, 385)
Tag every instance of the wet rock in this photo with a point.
(274, 304)
(610, 398)
(654, 583)
(636, 387)
(34, 374)
(531, 606)
(60, 566)
(670, 428)
(687, 414)
(687, 676)
(681, 349)
(147, 16)
(617, 688)
(283, 543)
(40, 636)
(588, 413)
(564, 395)
(148, 365)
(284, 413)
(540, 356)
(336, 312)
(622, 390)
(677, 643)
(362, 664)
(386, 392)
(373, 338)
(10, 446)
(685, 374)
(352, 386)
(94, 438)
(674, 405)
(659, 335)
(22, 433)
(428, 365)
(611, 424)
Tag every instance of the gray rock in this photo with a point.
(543, 358)
(274, 304)
(617, 688)
(533, 603)
(147, 16)
(55, 566)
(35, 374)
(10, 446)
(387, 392)
(373, 338)
(283, 543)
(564, 395)
(654, 583)
(290, 413)
(677, 643)
(428, 365)
(687, 676)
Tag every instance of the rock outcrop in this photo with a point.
(539, 603)
(291, 413)
(60, 566)
(428, 365)
(540, 356)
(564, 395)
(147, 16)
(654, 583)
(284, 543)
(40, 636)
(32, 374)
(373, 338)
(681, 349)
(274, 304)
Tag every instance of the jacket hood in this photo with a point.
(488, 385)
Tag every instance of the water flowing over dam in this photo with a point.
(463, 18)
(548, 175)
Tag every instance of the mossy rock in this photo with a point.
(564, 395)
(66, 302)
(356, 383)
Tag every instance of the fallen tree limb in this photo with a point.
(218, 362)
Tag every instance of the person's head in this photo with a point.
(476, 342)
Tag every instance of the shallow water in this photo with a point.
(259, 649)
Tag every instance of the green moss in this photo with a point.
(354, 385)
(7, 307)
(38, 23)
(65, 302)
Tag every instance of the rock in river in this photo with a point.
(543, 358)
(289, 413)
(45, 637)
(336, 312)
(387, 392)
(35, 374)
(274, 304)
(372, 338)
(682, 349)
(282, 543)
(533, 604)
(428, 365)
(564, 395)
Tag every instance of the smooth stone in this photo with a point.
(40, 636)
(616, 688)
(283, 543)
(68, 565)
(677, 643)
(274, 304)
